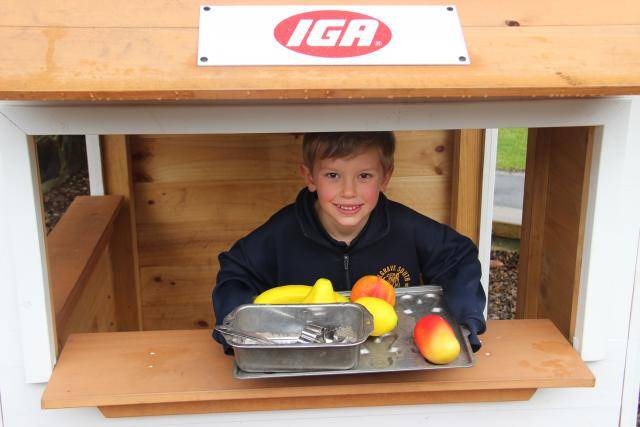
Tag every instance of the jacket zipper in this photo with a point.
(346, 270)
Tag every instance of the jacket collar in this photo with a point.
(377, 227)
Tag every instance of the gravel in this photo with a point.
(58, 199)
(503, 282)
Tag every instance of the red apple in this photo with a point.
(373, 286)
(436, 340)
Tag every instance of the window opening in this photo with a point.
(507, 222)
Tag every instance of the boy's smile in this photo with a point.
(348, 191)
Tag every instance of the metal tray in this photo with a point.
(396, 350)
(283, 324)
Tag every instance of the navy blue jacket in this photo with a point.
(397, 243)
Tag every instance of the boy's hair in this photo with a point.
(336, 145)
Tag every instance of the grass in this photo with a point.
(512, 149)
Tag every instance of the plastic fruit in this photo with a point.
(436, 340)
(321, 293)
(384, 315)
(340, 297)
(291, 294)
(287, 294)
(373, 286)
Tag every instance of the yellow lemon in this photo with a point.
(385, 318)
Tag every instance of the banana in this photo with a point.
(321, 293)
(287, 294)
(340, 297)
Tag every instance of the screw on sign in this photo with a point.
(332, 33)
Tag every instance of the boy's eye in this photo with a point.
(365, 175)
(331, 175)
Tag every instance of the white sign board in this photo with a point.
(330, 35)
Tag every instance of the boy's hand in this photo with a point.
(470, 328)
(474, 341)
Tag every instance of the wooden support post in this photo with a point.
(555, 201)
(124, 246)
(532, 230)
(466, 191)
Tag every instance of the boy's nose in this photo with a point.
(348, 189)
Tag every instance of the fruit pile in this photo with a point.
(432, 334)
(373, 292)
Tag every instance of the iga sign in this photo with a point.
(332, 33)
(335, 35)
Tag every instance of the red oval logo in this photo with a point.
(332, 33)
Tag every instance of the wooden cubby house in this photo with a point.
(112, 309)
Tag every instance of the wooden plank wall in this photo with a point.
(554, 215)
(197, 194)
(95, 308)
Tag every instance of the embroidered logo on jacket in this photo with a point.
(397, 275)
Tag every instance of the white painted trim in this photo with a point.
(194, 119)
(605, 217)
(26, 249)
(1, 417)
(608, 211)
(577, 339)
(486, 211)
(631, 385)
(94, 164)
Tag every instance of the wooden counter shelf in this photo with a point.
(175, 372)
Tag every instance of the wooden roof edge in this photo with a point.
(325, 94)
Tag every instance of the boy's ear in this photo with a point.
(308, 178)
(386, 179)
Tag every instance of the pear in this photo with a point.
(321, 293)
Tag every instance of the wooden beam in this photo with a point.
(124, 246)
(466, 192)
(314, 402)
(533, 212)
(76, 246)
(554, 215)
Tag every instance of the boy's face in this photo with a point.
(348, 190)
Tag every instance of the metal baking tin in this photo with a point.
(283, 325)
(395, 351)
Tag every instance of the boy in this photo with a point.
(342, 227)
